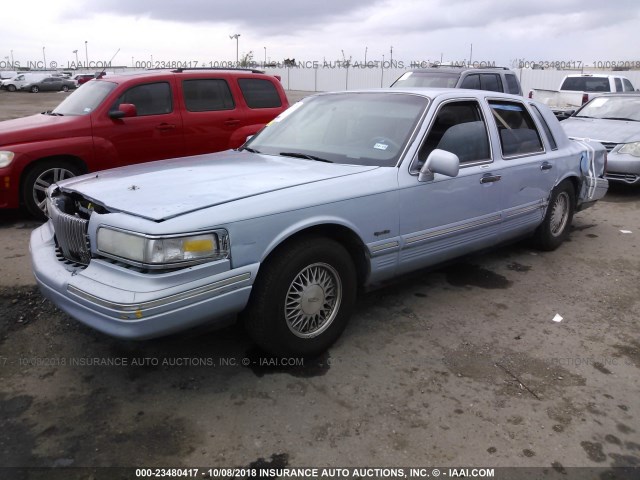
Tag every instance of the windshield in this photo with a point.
(351, 128)
(85, 100)
(618, 108)
(427, 79)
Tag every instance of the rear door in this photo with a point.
(211, 114)
(263, 100)
(529, 172)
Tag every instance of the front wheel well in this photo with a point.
(341, 234)
(74, 161)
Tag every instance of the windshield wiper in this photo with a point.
(51, 112)
(305, 156)
(582, 116)
(621, 118)
(248, 149)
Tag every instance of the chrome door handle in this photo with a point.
(489, 178)
(546, 166)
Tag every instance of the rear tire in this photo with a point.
(11, 88)
(557, 221)
(302, 299)
(39, 178)
(34, 89)
(65, 88)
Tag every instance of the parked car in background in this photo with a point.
(125, 119)
(49, 84)
(7, 74)
(17, 82)
(614, 121)
(340, 191)
(493, 79)
(82, 78)
(576, 90)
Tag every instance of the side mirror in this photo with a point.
(125, 110)
(439, 161)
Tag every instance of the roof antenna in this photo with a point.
(103, 68)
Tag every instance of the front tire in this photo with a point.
(38, 180)
(303, 298)
(11, 88)
(34, 89)
(557, 221)
(65, 88)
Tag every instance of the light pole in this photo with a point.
(265, 56)
(86, 53)
(44, 58)
(76, 52)
(132, 64)
(391, 59)
(11, 58)
(365, 56)
(236, 37)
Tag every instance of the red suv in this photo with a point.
(125, 119)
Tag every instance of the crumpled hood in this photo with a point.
(614, 131)
(167, 188)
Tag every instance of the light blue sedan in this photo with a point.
(341, 191)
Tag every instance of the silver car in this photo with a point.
(613, 120)
(341, 191)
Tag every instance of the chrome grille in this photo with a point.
(71, 233)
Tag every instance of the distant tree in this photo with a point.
(247, 59)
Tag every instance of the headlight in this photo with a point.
(631, 149)
(162, 251)
(6, 158)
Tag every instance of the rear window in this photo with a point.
(518, 133)
(259, 93)
(491, 82)
(618, 85)
(512, 84)
(627, 85)
(206, 95)
(545, 127)
(586, 84)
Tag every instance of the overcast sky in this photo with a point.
(188, 30)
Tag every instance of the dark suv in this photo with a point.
(125, 119)
(498, 79)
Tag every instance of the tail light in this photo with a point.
(585, 98)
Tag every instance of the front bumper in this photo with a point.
(623, 168)
(128, 304)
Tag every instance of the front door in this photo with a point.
(450, 216)
(155, 133)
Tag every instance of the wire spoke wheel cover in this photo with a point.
(313, 300)
(559, 214)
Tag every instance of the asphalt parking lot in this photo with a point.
(459, 366)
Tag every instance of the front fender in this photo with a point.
(26, 153)
(306, 224)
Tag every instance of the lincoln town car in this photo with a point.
(340, 192)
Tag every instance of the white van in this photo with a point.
(6, 74)
(22, 79)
